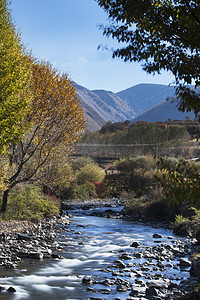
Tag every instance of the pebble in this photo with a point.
(138, 265)
(36, 241)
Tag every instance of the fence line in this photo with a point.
(174, 148)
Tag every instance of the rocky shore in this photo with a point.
(26, 240)
(155, 285)
(22, 241)
(149, 281)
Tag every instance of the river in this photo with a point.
(93, 248)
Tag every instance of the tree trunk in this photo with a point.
(5, 200)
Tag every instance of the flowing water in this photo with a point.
(90, 248)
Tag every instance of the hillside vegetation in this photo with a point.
(140, 138)
(140, 102)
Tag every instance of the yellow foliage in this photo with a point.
(56, 114)
(15, 76)
(4, 169)
(55, 121)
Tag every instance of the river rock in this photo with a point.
(135, 244)
(125, 256)
(137, 291)
(138, 273)
(107, 282)
(115, 273)
(124, 282)
(89, 289)
(10, 265)
(140, 282)
(138, 255)
(105, 291)
(21, 236)
(120, 264)
(88, 280)
(122, 288)
(56, 256)
(11, 289)
(157, 236)
(158, 284)
(151, 293)
(184, 262)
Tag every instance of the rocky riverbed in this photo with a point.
(144, 272)
(146, 279)
(106, 257)
(26, 240)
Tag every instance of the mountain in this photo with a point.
(140, 102)
(101, 106)
(163, 112)
(142, 97)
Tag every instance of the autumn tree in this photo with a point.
(14, 79)
(57, 173)
(164, 35)
(55, 119)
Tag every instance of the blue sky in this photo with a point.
(65, 33)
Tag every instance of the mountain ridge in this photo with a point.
(134, 103)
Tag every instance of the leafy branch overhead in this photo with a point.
(164, 35)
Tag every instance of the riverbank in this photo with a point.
(157, 215)
(152, 269)
(31, 242)
(21, 240)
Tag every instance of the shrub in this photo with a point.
(181, 225)
(89, 173)
(179, 220)
(145, 210)
(80, 162)
(81, 192)
(180, 182)
(172, 162)
(135, 175)
(140, 162)
(27, 202)
(101, 189)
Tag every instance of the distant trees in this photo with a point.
(55, 120)
(15, 79)
(164, 35)
(141, 136)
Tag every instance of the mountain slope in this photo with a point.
(102, 106)
(142, 97)
(163, 112)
